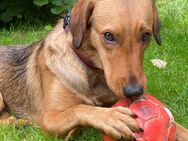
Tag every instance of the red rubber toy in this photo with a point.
(153, 117)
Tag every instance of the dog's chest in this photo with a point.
(99, 93)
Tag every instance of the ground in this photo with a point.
(170, 85)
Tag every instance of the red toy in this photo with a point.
(153, 117)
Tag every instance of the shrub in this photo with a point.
(32, 9)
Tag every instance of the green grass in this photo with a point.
(14, 133)
(23, 33)
(170, 85)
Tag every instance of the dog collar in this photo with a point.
(84, 59)
(66, 19)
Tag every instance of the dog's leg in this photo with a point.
(64, 110)
(113, 121)
(6, 118)
(182, 133)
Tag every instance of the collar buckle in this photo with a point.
(67, 19)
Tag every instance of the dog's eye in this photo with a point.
(146, 37)
(109, 36)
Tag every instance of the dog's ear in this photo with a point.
(80, 18)
(156, 25)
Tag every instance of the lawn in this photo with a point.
(170, 85)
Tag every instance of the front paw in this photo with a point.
(118, 122)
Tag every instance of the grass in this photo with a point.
(170, 85)
(23, 34)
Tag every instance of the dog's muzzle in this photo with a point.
(133, 90)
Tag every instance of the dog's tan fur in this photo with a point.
(48, 83)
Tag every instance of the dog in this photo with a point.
(92, 58)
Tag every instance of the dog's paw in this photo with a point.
(119, 122)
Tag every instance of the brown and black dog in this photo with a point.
(64, 81)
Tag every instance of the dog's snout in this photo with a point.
(133, 90)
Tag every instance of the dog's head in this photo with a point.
(115, 34)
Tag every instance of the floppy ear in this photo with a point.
(80, 17)
(156, 25)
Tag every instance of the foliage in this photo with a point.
(31, 10)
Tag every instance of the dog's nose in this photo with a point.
(133, 90)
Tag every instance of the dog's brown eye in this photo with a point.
(109, 36)
(146, 37)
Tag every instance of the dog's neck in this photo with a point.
(88, 62)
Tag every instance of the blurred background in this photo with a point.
(32, 10)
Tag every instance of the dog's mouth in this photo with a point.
(134, 99)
